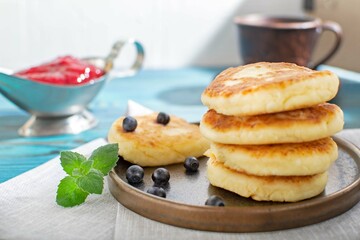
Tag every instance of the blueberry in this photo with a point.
(129, 124)
(157, 191)
(215, 201)
(134, 174)
(160, 176)
(191, 164)
(163, 118)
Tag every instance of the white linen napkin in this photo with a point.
(28, 209)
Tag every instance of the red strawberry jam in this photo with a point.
(65, 70)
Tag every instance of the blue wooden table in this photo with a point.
(173, 91)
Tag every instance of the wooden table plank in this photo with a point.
(161, 90)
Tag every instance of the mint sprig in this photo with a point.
(92, 182)
(85, 176)
(69, 194)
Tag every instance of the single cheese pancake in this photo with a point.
(154, 144)
(288, 159)
(265, 87)
(295, 126)
(265, 188)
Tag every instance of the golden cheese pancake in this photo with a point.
(265, 188)
(295, 126)
(154, 144)
(265, 87)
(288, 159)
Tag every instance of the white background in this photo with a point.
(175, 33)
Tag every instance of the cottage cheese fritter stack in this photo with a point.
(270, 129)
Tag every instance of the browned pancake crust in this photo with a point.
(317, 147)
(282, 76)
(306, 116)
(268, 179)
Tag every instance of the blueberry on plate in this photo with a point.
(163, 118)
(191, 164)
(215, 201)
(160, 176)
(129, 124)
(135, 174)
(157, 191)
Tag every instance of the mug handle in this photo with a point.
(336, 29)
(109, 60)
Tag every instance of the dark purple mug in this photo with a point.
(283, 39)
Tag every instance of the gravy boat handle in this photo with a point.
(115, 51)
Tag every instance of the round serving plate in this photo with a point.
(187, 193)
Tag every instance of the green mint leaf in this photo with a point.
(85, 167)
(93, 182)
(77, 173)
(105, 158)
(69, 194)
(70, 161)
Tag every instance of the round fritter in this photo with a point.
(265, 188)
(295, 126)
(265, 87)
(288, 159)
(154, 144)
